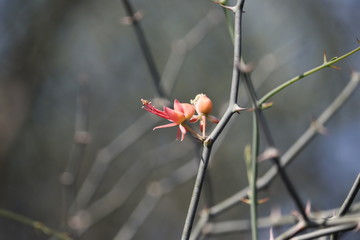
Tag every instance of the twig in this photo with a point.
(81, 139)
(350, 197)
(145, 49)
(270, 144)
(106, 155)
(305, 74)
(236, 226)
(348, 201)
(326, 231)
(218, 129)
(35, 224)
(254, 175)
(155, 191)
(128, 182)
(182, 46)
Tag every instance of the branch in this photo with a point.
(145, 49)
(305, 74)
(182, 46)
(350, 197)
(218, 129)
(35, 224)
(106, 155)
(321, 218)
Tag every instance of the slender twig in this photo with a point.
(35, 224)
(106, 155)
(271, 144)
(348, 201)
(305, 74)
(321, 218)
(154, 193)
(183, 46)
(350, 197)
(218, 129)
(81, 139)
(145, 49)
(325, 232)
(126, 185)
(254, 175)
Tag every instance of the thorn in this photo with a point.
(320, 128)
(335, 67)
(308, 208)
(269, 153)
(233, 9)
(238, 109)
(266, 105)
(260, 201)
(325, 58)
(358, 40)
(131, 19)
(271, 234)
(246, 68)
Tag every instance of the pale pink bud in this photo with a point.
(203, 104)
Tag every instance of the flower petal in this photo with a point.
(188, 110)
(166, 126)
(150, 108)
(174, 116)
(195, 118)
(212, 119)
(178, 106)
(183, 131)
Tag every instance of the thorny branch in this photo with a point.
(218, 129)
(286, 158)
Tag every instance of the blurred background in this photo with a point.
(77, 152)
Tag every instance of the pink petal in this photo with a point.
(174, 116)
(195, 118)
(166, 126)
(183, 131)
(178, 106)
(213, 119)
(178, 134)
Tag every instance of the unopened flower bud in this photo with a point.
(203, 104)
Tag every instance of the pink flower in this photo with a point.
(177, 116)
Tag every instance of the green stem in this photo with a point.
(35, 224)
(253, 190)
(305, 74)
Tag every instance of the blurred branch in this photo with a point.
(348, 201)
(35, 224)
(106, 155)
(156, 190)
(350, 197)
(81, 139)
(287, 157)
(129, 181)
(305, 74)
(145, 49)
(235, 226)
(218, 129)
(182, 46)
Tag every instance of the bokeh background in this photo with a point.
(74, 70)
